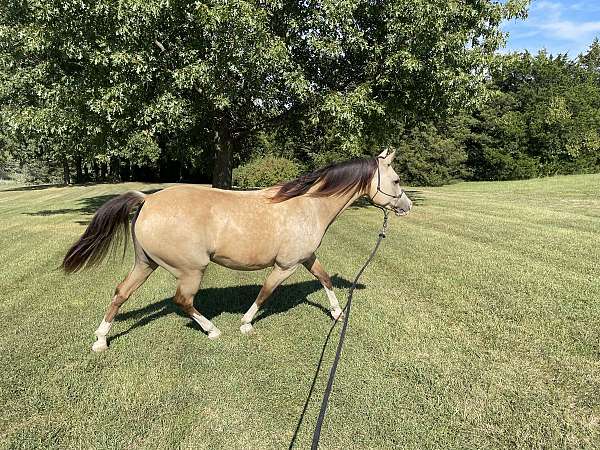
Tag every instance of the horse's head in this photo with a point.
(385, 189)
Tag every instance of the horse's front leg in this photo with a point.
(275, 278)
(314, 266)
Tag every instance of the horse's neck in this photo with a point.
(331, 207)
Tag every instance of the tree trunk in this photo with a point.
(66, 171)
(115, 169)
(78, 169)
(124, 170)
(223, 169)
(180, 163)
(96, 170)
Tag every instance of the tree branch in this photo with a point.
(159, 45)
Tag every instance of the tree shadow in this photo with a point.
(362, 202)
(88, 205)
(212, 302)
(417, 197)
(35, 187)
(39, 187)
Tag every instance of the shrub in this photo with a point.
(32, 171)
(265, 171)
(327, 157)
(427, 157)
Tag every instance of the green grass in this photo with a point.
(478, 327)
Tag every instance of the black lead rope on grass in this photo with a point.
(346, 311)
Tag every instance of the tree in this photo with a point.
(145, 82)
(591, 59)
(543, 119)
(431, 156)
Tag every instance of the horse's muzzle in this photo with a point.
(402, 210)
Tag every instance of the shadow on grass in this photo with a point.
(40, 187)
(34, 187)
(211, 302)
(88, 206)
(417, 197)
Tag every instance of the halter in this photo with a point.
(379, 185)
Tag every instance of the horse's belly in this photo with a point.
(244, 253)
(237, 263)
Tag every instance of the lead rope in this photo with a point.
(346, 311)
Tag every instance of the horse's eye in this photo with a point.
(397, 181)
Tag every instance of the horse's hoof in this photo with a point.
(214, 333)
(247, 328)
(99, 346)
(337, 314)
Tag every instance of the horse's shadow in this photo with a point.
(211, 302)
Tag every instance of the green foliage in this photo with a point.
(426, 157)
(36, 171)
(142, 149)
(8, 165)
(110, 90)
(265, 171)
(325, 158)
(541, 117)
(33, 171)
(543, 120)
(496, 141)
(83, 81)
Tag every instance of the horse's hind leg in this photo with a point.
(275, 278)
(188, 285)
(314, 266)
(140, 273)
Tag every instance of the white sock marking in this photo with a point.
(103, 329)
(250, 314)
(333, 301)
(206, 324)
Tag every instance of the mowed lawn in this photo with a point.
(477, 326)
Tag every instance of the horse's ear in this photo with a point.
(387, 156)
(391, 156)
(383, 154)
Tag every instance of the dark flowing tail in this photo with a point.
(110, 221)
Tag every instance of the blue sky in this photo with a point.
(556, 25)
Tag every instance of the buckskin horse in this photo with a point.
(183, 228)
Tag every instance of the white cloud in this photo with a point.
(546, 5)
(567, 29)
(559, 27)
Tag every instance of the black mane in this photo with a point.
(335, 179)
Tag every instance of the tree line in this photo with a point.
(187, 91)
(541, 118)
